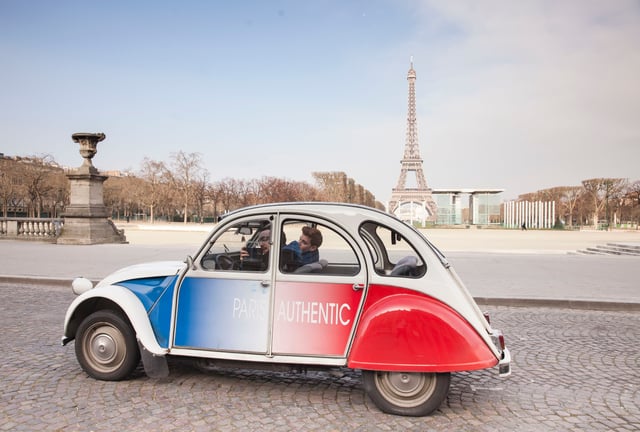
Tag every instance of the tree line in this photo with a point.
(177, 190)
(181, 190)
(597, 201)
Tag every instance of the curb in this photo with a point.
(35, 280)
(592, 305)
(40, 280)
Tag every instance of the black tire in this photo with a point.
(106, 346)
(406, 393)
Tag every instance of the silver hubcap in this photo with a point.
(104, 347)
(406, 389)
(405, 384)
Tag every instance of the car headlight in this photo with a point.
(81, 285)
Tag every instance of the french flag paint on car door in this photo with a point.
(223, 314)
(314, 318)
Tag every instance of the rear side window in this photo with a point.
(301, 253)
(391, 253)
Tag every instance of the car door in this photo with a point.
(223, 301)
(315, 309)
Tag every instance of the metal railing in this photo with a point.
(46, 229)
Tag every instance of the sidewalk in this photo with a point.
(498, 266)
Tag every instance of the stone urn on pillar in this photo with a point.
(86, 218)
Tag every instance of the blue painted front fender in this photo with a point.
(112, 297)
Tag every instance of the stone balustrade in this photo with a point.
(44, 229)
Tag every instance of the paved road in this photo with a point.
(564, 280)
(573, 370)
(601, 281)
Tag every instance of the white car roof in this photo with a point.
(328, 209)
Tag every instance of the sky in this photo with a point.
(513, 95)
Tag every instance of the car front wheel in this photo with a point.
(106, 346)
(406, 393)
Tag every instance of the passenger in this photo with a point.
(305, 250)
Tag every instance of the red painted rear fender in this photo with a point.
(412, 332)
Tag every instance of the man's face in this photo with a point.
(305, 244)
(263, 240)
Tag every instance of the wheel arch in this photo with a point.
(417, 333)
(120, 300)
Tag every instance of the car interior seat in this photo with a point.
(405, 266)
(315, 267)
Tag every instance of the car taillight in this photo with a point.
(487, 317)
(498, 339)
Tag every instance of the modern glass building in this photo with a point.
(483, 206)
(449, 208)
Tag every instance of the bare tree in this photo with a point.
(58, 196)
(228, 191)
(9, 183)
(36, 172)
(564, 198)
(569, 199)
(123, 195)
(247, 193)
(601, 191)
(273, 189)
(618, 202)
(200, 188)
(186, 173)
(214, 194)
(334, 185)
(633, 200)
(614, 192)
(156, 175)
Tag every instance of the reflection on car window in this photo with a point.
(313, 248)
(244, 246)
(391, 253)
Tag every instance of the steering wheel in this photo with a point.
(224, 262)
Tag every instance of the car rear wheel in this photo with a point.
(406, 393)
(106, 346)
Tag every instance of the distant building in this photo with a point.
(420, 204)
(482, 207)
(414, 204)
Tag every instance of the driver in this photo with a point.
(264, 245)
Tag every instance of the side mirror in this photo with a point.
(190, 263)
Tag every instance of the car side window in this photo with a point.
(313, 248)
(243, 246)
(391, 253)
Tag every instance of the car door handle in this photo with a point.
(264, 283)
(358, 287)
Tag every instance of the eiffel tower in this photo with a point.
(407, 203)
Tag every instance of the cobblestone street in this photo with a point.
(572, 370)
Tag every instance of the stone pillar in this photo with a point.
(86, 218)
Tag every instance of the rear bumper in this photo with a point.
(504, 365)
